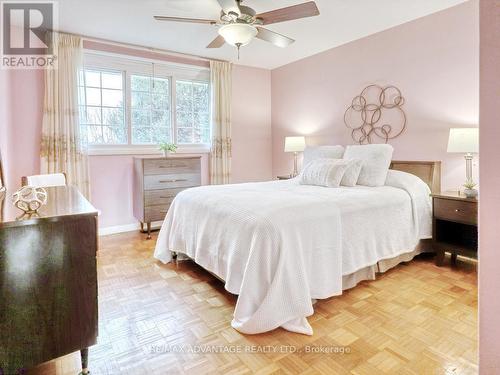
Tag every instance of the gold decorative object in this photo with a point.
(29, 199)
(365, 115)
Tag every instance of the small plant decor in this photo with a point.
(167, 148)
(469, 191)
(470, 184)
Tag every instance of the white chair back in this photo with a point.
(45, 180)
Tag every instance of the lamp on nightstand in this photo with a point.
(295, 145)
(465, 141)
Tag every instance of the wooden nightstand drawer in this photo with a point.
(165, 196)
(171, 181)
(156, 213)
(455, 210)
(173, 165)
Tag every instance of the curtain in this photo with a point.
(63, 148)
(220, 156)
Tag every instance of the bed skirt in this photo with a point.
(370, 273)
(367, 273)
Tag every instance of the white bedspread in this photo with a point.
(278, 245)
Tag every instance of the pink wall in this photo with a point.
(251, 121)
(20, 134)
(4, 119)
(433, 60)
(26, 90)
(489, 236)
(21, 100)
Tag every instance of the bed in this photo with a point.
(280, 245)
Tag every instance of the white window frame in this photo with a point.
(124, 97)
(174, 101)
(135, 65)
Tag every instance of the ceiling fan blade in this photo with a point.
(229, 6)
(217, 42)
(181, 19)
(289, 13)
(274, 38)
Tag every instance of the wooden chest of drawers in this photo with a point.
(156, 183)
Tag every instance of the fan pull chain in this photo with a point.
(238, 45)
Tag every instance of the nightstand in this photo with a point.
(284, 177)
(454, 226)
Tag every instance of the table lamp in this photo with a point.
(295, 145)
(465, 141)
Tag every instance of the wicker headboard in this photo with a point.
(428, 171)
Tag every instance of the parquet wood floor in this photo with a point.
(415, 319)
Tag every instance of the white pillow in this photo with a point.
(352, 172)
(324, 172)
(376, 162)
(322, 152)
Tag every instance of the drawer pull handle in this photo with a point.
(167, 197)
(170, 165)
(174, 180)
(457, 210)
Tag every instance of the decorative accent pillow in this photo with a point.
(376, 162)
(352, 172)
(324, 172)
(322, 152)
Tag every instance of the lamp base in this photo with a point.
(295, 172)
(468, 166)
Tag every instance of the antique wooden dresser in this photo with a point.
(48, 281)
(156, 183)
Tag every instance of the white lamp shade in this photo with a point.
(295, 144)
(238, 33)
(464, 140)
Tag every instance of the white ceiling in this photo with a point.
(340, 22)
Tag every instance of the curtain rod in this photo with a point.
(144, 48)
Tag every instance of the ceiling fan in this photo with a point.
(239, 24)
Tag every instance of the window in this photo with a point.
(150, 106)
(129, 106)
(102, 117)
(192, 112)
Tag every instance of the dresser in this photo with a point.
(455, 219)
(48, 281)
(156, 183)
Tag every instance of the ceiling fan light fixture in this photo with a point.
(238, 33)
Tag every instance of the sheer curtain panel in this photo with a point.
(220, 156)
(64, 147)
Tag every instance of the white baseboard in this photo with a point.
(105, 231)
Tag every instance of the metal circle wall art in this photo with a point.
(376, 112)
